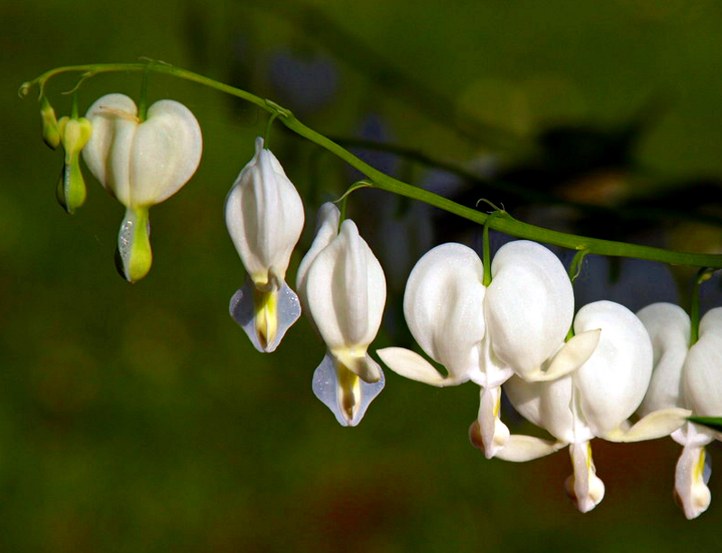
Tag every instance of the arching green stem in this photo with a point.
(503, 222)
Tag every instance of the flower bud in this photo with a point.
(51, 135)
(74, 134)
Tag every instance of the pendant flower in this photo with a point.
(596, 400)
(74, 134)
(343, 289)
(517, 325)
(141, 163)
(688, 377)
(264, 216)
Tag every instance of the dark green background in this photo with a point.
(139, 418)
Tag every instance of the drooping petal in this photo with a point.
(265, 316)
(493, 433)
(413, 366)
(668, 326)
(572, 355)
(520, 448)
(166, 152)
(264, 216)
(656, 424)
(343, 392)
(326, 230)
(107, 154)
(703, 367)
(529, 305)
(443, 306)
(345, 290)
(613, 381)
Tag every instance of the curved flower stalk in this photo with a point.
(264, 216)
(517, 325)
(596, 400)
(141, 163)
(343, 289)
(689, 377)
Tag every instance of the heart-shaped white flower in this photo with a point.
(141, 163)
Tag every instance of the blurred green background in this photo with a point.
(139, 418)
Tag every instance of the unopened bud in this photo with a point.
(51, 135)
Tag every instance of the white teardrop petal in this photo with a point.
(443, 306)
(703, 368)
(529, 305)
(107, 153)
(668, 326)
(166, 152)
(346, 291)
(613, 381)
(326, 230)
(264, 216)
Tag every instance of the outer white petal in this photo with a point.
(142, 164)
(668, 327)
(520, 448)
(410, 364)
(264, 216)
(612, 383)
(529, 305)
(107, 153)
(550, 405)
(166, 152)
(443, 306)
(346, 291)
(703, 368)
(656, 424)
(326, 230)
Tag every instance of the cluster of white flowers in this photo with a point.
(578, 376)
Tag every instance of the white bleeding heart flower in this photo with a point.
(141, 163)
(688, 377)
(264, 216)
(596, 400)
(517, 325)
(343, 289)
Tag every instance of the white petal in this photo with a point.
(529, 305)
(613, 381)
(656, 424)
(346, 291)
(569, 358)
(443, 306)
(326, 230)
(107, 153)
(264, 216)
(550, 405)
(166, 152)
(668, 327)
(410, 364)
(520, 448)
(703, 368)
